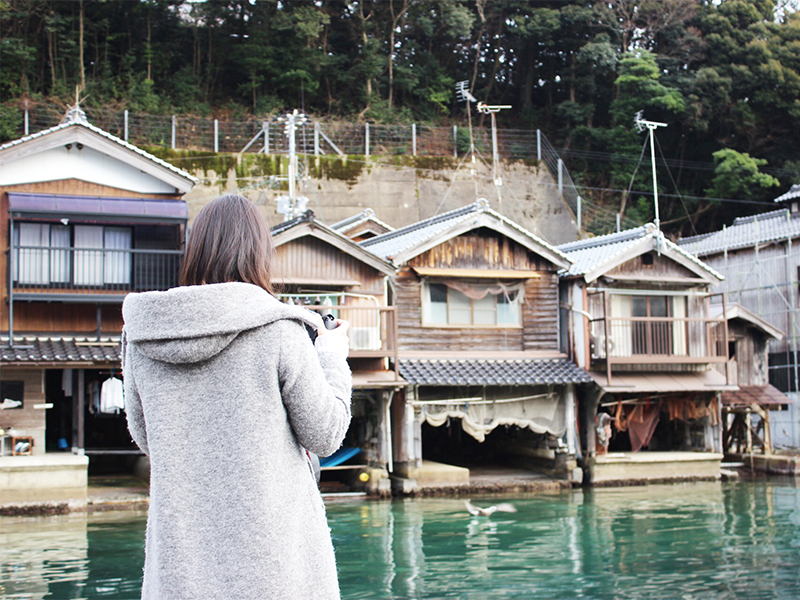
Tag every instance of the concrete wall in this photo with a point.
(401, 190)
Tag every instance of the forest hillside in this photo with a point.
(722, 75)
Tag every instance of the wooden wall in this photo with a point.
(31, 421)
(661, 267)
(751, 354)
(311, 258)
(481, 249)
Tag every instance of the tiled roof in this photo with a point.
(591, 254)
(527, 371)
(356, 220)
(389, 245)
(745, 231)
(78, 119)
(794, 192)
(60, 349)
(306, 217)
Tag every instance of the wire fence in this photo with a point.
(329, 137)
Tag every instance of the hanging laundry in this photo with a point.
(111, 398)
(642, 421)
(66, 382)
(93, 397)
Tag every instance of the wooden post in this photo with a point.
(78, 408)
(607, 326)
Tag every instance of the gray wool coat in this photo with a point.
(223, 390)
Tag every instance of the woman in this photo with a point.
(224, 391)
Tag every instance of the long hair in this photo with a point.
(229, 241)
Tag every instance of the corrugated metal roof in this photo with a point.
(591, 254)
(60, 349)
(755, 394)
(492, 371)
(745, 231)
(389, 245)
(78, 119)
(145, 208)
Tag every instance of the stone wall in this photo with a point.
(400, 189)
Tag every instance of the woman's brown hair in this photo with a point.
(229, 241)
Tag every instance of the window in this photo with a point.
(652, 337)
(86, 255)
(444, 305)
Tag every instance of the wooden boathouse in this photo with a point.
(478, 331)
(639, 317)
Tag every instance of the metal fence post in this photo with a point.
(455, 141)
(539, 145)
(174, 123)
(414, 139)
(125, 125)
(266, 137)
(580, 203)
(618, 215)
(366, 139)
(560, 177)
(26, 128)
(216, 135)
(316, 138)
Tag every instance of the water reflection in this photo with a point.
(687, 541)
(677, 541)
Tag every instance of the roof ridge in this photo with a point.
(601, 240)
(465, 210)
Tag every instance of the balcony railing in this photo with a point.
(373, 328)
(657, 340)
(89, 274)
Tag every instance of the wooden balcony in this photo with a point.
(650, 342)
(89, 274)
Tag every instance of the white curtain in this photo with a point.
(541, 415)
(33, 264)
(59, 259)
(88, 267)
(118, 260)
(621, 331)
(679, 327)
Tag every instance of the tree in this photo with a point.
(737, 176)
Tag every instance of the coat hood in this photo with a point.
(194, 323)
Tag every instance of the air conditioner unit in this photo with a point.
(365, 338)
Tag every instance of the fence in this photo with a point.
(327, 137)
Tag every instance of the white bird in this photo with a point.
(477, 511)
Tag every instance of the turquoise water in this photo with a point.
(704, 540)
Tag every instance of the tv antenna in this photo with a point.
(292, 206)
(651, 126)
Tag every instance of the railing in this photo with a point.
(658, 340)
(91, 274)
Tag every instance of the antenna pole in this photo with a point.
(655, 182)
(651, 126)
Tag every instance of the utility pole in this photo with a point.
(651, 126)
(492, 110)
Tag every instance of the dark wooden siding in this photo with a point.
(661, 267)
(312, 258)
(481, 249)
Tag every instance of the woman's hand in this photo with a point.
(334, 339)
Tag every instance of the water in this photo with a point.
(704, 540)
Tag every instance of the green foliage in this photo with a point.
(737, 176)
